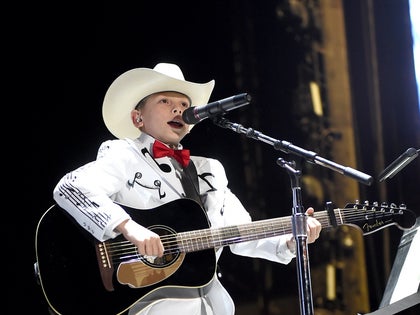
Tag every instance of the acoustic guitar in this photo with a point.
(80, 275)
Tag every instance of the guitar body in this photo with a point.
(70, 275)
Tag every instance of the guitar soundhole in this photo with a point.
(171, 254)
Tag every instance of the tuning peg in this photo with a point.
(392, 206)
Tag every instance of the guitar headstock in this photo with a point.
(371, 217)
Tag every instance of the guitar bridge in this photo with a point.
(106, 267)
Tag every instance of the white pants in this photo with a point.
(196, 306)
(216, 301)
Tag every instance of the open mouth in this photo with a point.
(175, 124)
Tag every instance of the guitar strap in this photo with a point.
(189, 181)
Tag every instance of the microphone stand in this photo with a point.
(299, 232)
(299, 218)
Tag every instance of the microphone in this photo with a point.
(396, 166)
(195, 114)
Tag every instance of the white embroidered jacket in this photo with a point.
(125, 173)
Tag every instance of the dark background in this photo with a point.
(69, 54)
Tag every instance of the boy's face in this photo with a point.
(162, 117)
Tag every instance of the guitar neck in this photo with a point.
(368, 219)
(219, 237)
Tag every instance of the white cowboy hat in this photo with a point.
(134, 85)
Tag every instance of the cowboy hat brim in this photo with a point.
(132, 86)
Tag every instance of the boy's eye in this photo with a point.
(166, 101)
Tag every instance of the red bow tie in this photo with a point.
(161, 150)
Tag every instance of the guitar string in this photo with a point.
(190, 241)
(174, 239)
